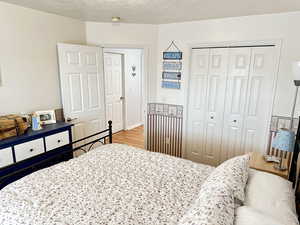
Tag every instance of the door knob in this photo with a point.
(122, 98)
(234, 121)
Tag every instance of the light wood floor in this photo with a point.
(134, 137)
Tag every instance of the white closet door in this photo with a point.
(236, 95)
(250, 91)
(197, 104)
(259, 99)
(206, 104)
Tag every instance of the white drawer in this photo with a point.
(29, 149)
(6, 157)
(57, 140)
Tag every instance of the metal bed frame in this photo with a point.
(91, 143)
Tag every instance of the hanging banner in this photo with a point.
(172, 66)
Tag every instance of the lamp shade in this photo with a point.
(284, 140)
(296, 70)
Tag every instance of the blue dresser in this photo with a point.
(22, 155)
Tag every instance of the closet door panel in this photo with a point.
(236, 95)
(196, 132)
(259, 99)
(206, 104)
(217, 77)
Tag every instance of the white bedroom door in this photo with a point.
(82, 89)
(206, 104)
(114, 89)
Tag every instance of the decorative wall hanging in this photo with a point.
(133, 73)
(172, 67)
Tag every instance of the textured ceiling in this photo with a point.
(158, 11)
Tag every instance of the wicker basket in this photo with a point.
(12, 125)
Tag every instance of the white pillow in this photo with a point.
(233, 173)
(249, 216)
(272, 195)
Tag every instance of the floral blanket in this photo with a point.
(113, 184)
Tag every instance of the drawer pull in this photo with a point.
(58, 141)
(31, 150)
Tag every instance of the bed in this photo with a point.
(119, 184)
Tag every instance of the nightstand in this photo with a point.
(257, 162)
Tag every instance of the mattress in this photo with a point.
(113, 184)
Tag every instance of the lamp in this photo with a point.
(284, 141)
(296, 74)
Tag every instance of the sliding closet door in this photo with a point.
(259, 99)
(238, 70)
(206, 104)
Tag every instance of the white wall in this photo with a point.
(132, 85)
(28, 57)
(276, 26)
(128, 35)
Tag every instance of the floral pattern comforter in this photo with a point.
(113, 184)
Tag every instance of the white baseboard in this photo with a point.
(133, 126)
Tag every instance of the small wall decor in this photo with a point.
(133, 68)
(172, 67)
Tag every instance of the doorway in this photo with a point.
(123, 74)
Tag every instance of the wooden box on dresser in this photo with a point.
(22, 155)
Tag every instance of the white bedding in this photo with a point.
(273, 196)
(117, 184)
(114, 184)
